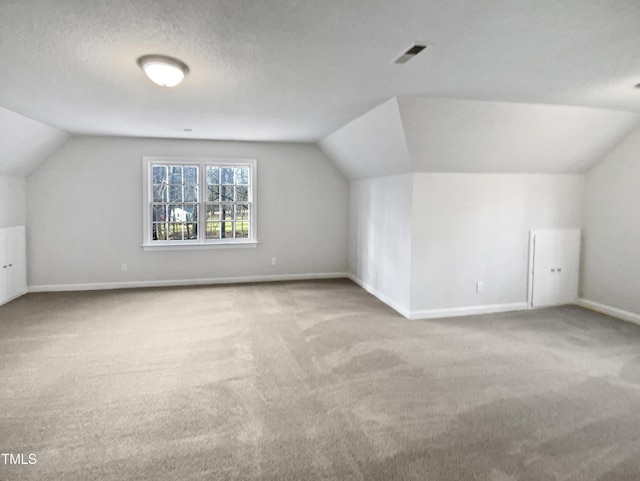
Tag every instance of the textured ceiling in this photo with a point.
(298, 70)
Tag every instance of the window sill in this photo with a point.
(200, 246)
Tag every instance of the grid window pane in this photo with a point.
(242, 230)
(176, 213)
(190, 231)
(227, 230)
(175, 174)
(175, 193)
(227, 211)
(159, 174)
(226, 175)
(242, 193)
(191, 193)
(242, 212)
(227, 193)
(159, 231)
(176, 231)
(213, 212)
(213, 230)
(190, 212)
(213, 193)
(213, 175)
(159, 213)
(190, 174)
(160, 193)
(242, 175)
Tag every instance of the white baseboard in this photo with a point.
(374, 292)
(609, 310)
(468, 311)
(436, 313)
(6, 301)
(185, 282)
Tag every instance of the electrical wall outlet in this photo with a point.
(123, 267)
(273, 261)
(479, 287)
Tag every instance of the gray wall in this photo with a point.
(420, 242)
(380, 238)
(611, 253)
(85, 212)
(475, 227)
(12, 201)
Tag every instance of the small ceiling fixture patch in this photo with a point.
(409, 54)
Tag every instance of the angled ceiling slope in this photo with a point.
(25, 143)
(373, 145)
(415, 134)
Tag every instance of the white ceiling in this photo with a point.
(373, 145)
(416, 134)
(475, 136)
(25, 143)
(295, 70)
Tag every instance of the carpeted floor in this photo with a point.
(311, 381)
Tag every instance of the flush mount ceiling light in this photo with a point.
(163, 70)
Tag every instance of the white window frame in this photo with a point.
(202, 162)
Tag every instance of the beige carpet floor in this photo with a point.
(311, 381)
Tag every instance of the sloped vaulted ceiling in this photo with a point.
(414, 134)
(25, 143)
(372, 145)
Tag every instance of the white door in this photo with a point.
(16, 261)
(4, 267)
(555, 267)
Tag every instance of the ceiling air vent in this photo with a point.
(409, 54)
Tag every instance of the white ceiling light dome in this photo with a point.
(163, 70)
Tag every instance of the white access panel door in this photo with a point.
(555, 266)
(4, 266)
(17, 262)
(13, 263)
(544, 273)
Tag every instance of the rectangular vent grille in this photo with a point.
(409, 54)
